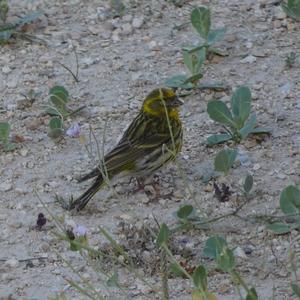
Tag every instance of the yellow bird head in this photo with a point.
(161, 101)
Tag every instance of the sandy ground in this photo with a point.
(120, 61)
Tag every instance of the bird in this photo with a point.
(153, 139)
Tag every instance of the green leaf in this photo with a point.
(224, 160)
(29, 18)
(10, 146)
(219, 112)
(59, 92)
(292, 9)
(216, 35)
(279, 227)
(59, 96)
(218, 138)
(296, 289)
(4, 131)
(248, 184)
(197, 295)
(52, 112)
(200, 18)
(178, 81)
(290, 200)
(55, 133)
(241, 105)
(175, 269)
(259, 130)
(248, 126)
(187, 60)
(252, 295)
(56, 127)
(216, 248)
(163, 235)
(194, 59)
(213, 246)
(5, 35)
(113, 280)
(55, 123)
(193, 79)
(200, 278)
(4, 8)
(225, 260)
(185, 211)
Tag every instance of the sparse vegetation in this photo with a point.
(194, 56)
(58, 107)
(154, 249)
(292, 9)
(237, 122)
(5, 143)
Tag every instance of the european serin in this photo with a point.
(152, 140)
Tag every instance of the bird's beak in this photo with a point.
(177, 102)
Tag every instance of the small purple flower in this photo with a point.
(80, 230)
(74, 130)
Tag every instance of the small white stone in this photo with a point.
(5, 186)
(137, 22)
(115, 37)
(24, 152)
(6, 69)
(11, 263)
(248, 59)
(152, 45)
(239, 252)
(12, 83)
(126, 29)
(256, 167)
(279, 14)
(281, 176)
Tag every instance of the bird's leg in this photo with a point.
(140, 184)
(155, 189)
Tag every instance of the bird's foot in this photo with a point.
(154, 192)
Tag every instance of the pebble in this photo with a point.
(248, 59)
(297, 104)
(239, 252)
(137, 22)
(24, 152)
(115, 36)
(244, 159)
(12, 82)
(281, 176)
(142, 198)
(279, 14)
(56, 272)
(256, 167)
(6, 69)
(5, 186)
(208, 188)
(286, 88)
(21, 191)
(11, 263)
(7, 278)
(277, 24)
(86, 276)
(152, 45)
(230, 38)
(127, 29)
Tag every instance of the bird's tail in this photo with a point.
(90, 175)
(83, 200)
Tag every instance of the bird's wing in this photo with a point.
(143, 136)
(125, 155)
